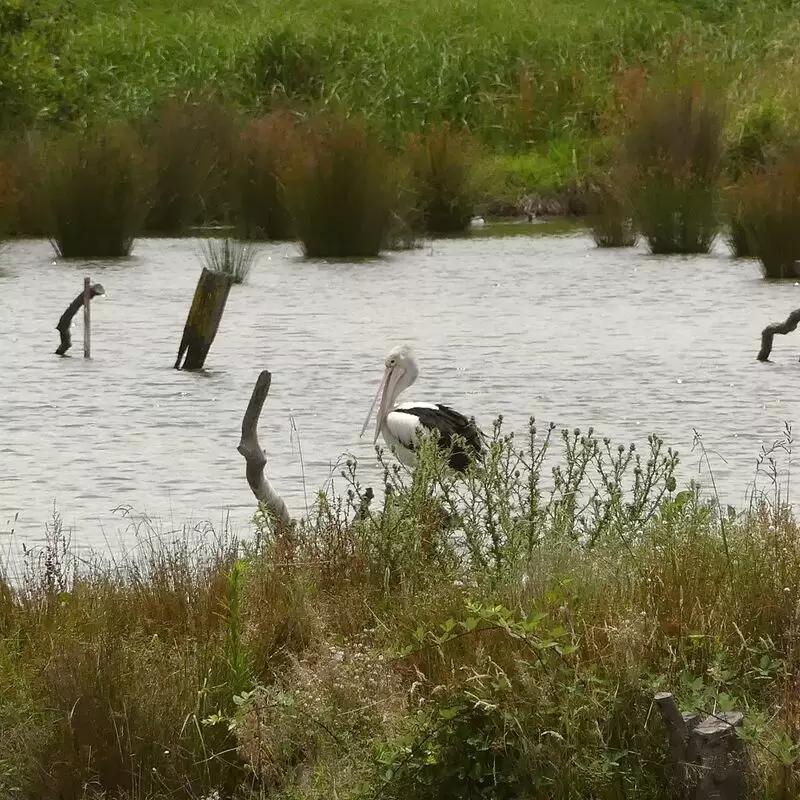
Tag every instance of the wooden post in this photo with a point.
(787, 326)
(87, 318)
(254, 456)
(204, 317)
(707, 758)
(65, 322)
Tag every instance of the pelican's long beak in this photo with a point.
(387, 385)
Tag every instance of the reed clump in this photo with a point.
(258, 199)
(230, 257)
(341, 189)
(767, 205)
(182, 139)
(93, 191)
(672, 152)
(609, 211)
(442, 173)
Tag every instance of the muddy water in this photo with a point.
(549, 326)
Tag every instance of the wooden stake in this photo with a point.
(87, 318)
(204, 317)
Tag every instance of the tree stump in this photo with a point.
(65, 322)
(204, 317)
(768, 334)
(708, 760)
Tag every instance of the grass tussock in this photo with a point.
(472, 636)
(442, 162)
(230, 257)
(673, 151)
(92, 192)
(609, 211)
(767, 206)
(182, 140)
(259, 204)
(341, 189)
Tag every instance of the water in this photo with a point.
(551, 326)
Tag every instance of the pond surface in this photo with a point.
(544, 325)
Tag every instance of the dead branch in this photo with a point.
(65, 322)
(787, 326)
(254, 455)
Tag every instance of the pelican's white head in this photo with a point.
(401, 371)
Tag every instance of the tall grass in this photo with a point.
(229, 257)
(259, 205)
(341, 189)
(673, 153)
(609, 211)
(768, 211)
(93, 191)
(463, 636)
(182, 141)
(442, 173)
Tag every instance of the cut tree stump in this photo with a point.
(768, 334)
(707, 759)
(255, 457)
(63, 327)
(204, 317)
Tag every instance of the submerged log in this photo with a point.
(63, 327)
(255, 457)
(204, 317)
(787, 326)
(707, 759)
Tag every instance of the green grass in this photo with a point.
(516, 74)
(538, 85)
(229, 256)
(499, 634)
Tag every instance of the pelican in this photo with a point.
(402, 424)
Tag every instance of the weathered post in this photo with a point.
(87, 318)
(204, 317)
(255, 457)
(90, 290)
(707, 758)
(768, 334)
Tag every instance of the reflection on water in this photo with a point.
(550, 326)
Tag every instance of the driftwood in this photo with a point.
(204, 317)
(707, 758)
(255, 457)
(787, 326)
(63, 327)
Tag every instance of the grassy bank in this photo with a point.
(497, 636)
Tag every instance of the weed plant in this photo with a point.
(485, 635)
(259, 204)
(341, 189)
(673, 154)
(229, 257)
(93, 187)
